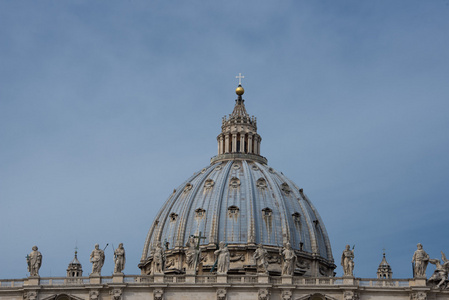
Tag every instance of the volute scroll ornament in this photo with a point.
(418, 296)
(286, 295)
(264, 294)
(350, 295)
(116, 294)
(221, 294)
(94, 295)
(158, 294)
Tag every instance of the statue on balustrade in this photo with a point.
(260, 257)
(192, 254)
(223, 259)
(34, 261)
(440, 275)
(289, 257)
(119, 259)
(97, 260)
(158, 259)
(419, 262)
(347, 261)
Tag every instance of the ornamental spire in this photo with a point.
(238, 138)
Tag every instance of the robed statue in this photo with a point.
(119, 259)
(260, 257)
(289, 257)
(34, 261)
(223, 259)
(192, 254)
(158, 259)
(97, 260)
(347, 261)
(419, 262)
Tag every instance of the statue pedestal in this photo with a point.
(159, 278)
(348, 280)
(222, 278)
(94, 279)
(190, 278)
(190, 272)
(262, 278)
(418, 282)
(32, 280)
(118, 278)
(287, 279)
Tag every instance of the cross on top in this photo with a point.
(240, 78)
(199, 237)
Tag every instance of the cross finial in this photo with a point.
(240, 78)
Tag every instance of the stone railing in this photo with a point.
(11, 283)
(366, 282)
(206, 279)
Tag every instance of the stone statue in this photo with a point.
(192, 254)
(289, 256)
(420, 260)
(119, 259)
(34, 261)
(440, 274)
(223, 260)
(97, 260)
(260, 256)
(158, 259)
(347, 261)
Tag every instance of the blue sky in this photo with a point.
(107, 106)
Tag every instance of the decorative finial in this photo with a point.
(239, 90)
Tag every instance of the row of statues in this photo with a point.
(97, 257)
(222, 258)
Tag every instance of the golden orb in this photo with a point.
(239, 90)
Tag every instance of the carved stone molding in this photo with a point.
(221, 294)
(418, 296)
(94, 295)
(116, 294)
(264, 294)
(30, 295)
(350, 295)
(158, 294)
(286, 295)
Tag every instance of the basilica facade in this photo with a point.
(237, 229)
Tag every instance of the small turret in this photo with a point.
(384, 271)
(75, 269)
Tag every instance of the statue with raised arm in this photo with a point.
(34, 261)
(119, 259)
(440, 275)
(223, 259)
(192, 254)
(97, 260)
(347, 261)
(420, 260)
(158, 259)
(289, 257)
(260, 257)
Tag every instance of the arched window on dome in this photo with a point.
(267, 212)
(208, 184)
(234, 182)
(173, 217)
(296, 217)
(286, 188)
(200, 213)
(233, 211)
(261, 183)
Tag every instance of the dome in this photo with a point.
(240, 200)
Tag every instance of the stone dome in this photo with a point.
(242, 201)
